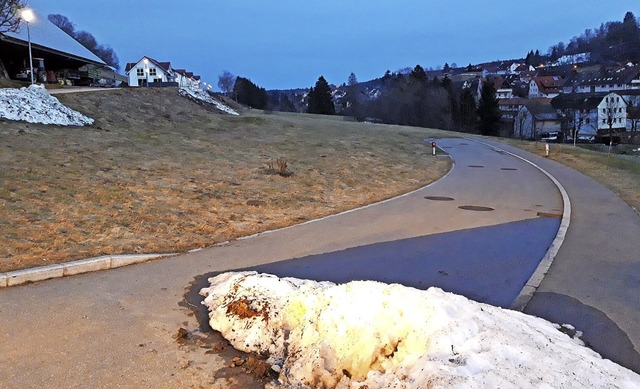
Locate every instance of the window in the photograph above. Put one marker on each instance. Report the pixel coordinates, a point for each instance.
(604, 121)
(140, 72)
(587, 120)
(152, 71)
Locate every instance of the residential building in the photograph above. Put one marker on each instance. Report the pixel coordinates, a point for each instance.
(545, 86)
(601, 115)
(147, 70)
(534, 120)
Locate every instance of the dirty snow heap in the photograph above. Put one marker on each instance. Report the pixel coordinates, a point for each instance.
(35, 105)
(204, 97)
(367, 334)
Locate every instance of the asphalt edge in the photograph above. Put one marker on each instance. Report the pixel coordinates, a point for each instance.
(19, 277)
(42, 273)
(532, 284)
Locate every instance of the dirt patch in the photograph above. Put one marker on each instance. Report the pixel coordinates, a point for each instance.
(158, 173)
(243, 309)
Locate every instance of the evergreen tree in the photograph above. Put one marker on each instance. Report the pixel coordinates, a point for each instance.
(467, 109)
(320, 99)
(248, 93)
(418, 73)
(488, 111)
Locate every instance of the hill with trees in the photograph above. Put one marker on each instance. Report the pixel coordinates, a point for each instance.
(611, 42)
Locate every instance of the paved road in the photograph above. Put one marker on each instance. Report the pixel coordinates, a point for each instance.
(594, 282)
(116, 328)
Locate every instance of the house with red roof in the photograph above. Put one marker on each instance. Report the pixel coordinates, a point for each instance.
(545, 86)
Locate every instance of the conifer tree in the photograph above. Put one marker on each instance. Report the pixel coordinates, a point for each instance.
(320, 99)
(488, 111)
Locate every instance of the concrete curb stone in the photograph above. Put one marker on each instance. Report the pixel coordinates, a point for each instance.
(42, 273)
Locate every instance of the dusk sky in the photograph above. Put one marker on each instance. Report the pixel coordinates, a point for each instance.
(284, 44)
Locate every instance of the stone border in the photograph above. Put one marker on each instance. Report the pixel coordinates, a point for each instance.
(42, 273)
(532, 284)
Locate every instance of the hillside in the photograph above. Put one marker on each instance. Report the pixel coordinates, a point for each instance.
(157, 172)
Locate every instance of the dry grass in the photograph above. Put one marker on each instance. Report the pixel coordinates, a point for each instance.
(158, 173)
(619, 173)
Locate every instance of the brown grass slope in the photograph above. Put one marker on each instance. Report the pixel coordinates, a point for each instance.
(159, 173)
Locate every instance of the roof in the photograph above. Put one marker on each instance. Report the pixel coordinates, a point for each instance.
(578, 100)
(166, 66)
(48, 37)
(543, 111)
(527, 102)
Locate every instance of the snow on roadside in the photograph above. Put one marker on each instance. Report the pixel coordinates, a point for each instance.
(203, 96)
(369, 334)
(35, 105)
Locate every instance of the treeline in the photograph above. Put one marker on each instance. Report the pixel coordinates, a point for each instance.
(247, 93)
(87, 40)
(612, 41)
(414, 99)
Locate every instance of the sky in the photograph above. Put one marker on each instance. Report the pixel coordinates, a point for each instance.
(285, 44)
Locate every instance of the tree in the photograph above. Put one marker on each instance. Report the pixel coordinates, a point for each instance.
(63, 23)
(353, 105)
(467, 109)
(320, 99)
(248, 93)
(9, 17)
(226, 82)
(488, 111)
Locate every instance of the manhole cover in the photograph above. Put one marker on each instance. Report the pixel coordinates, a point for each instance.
(508, 168)
(439, 198)
(476, 166)
(475, 208)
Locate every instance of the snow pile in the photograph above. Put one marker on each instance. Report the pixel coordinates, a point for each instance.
(202, 96)
(368, 334)
(35, 105)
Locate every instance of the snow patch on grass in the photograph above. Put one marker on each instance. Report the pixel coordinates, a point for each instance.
(369, 334)
(35, 105)
(203, 96)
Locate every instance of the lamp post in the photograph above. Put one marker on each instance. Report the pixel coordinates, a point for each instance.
(27, 15)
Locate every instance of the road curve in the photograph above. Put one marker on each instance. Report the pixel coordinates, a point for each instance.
(480, 231)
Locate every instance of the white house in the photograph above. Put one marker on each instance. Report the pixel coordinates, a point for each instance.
(592, 114)
(147, 70)
(545, 86)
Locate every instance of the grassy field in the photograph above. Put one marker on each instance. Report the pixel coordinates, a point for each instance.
(620, 173)
(158, 173)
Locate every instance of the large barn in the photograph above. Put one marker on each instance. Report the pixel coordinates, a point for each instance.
(55, 54)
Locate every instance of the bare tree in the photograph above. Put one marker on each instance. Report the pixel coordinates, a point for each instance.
(614, 114)
(226, 82)
(9, 16)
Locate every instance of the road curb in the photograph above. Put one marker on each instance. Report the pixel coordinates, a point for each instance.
(42, 273)
(532, 284)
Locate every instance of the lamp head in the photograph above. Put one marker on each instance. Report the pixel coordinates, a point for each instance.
(27, 15)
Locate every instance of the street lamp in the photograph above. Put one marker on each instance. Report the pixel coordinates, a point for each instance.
(27, 15)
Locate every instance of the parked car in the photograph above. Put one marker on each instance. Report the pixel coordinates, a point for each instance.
(551, 137)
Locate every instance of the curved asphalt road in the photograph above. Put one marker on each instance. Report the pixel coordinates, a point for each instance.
(116, 328)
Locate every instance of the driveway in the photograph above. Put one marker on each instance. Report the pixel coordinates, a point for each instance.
(480, 231)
